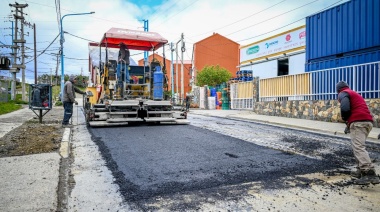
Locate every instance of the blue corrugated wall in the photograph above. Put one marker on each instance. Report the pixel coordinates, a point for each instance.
(349, 27)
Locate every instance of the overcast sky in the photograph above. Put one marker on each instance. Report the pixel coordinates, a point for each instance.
(243, 21)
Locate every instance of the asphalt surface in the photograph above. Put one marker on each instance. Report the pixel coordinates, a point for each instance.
(101, 179)
(161, 159)
(150, 162)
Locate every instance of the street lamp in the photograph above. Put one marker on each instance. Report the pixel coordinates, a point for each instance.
(62, 63)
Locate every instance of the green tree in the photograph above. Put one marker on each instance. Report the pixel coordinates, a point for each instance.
(212, 75)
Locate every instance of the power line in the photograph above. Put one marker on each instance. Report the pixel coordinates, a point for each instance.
(289, 23)
(78, 12)
(178, 12)
(272, 17)
(39, 42)
(174, 3)
(80, 37)
(240, 19)
(29, 13)
(70, 58)
(44, 50)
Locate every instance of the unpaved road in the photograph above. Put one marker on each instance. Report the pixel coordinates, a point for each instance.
(216, 164)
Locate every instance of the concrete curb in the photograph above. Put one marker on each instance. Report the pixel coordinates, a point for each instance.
(63, 189)
(64, 151)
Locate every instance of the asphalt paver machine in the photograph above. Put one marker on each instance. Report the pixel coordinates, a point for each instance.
(112, 99)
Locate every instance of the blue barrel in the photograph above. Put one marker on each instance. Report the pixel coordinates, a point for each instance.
(158, 84)
(213, 92)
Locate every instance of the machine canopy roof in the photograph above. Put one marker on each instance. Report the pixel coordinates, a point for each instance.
(135, 40)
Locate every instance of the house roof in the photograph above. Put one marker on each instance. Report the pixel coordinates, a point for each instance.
(216, 35)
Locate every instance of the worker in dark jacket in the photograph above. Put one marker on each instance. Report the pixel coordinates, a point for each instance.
(69, 99)
(355, 113)
(123, 62)
(188, 99)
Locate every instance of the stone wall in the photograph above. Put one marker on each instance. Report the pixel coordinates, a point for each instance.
(321, 110)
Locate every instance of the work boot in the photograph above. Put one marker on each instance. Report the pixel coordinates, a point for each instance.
(67, 125)
(356, 174)
(367, 178)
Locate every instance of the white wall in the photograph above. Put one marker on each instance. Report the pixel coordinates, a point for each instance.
(263, 70)
(297, 64)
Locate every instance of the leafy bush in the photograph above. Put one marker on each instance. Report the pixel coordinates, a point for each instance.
(212, 75)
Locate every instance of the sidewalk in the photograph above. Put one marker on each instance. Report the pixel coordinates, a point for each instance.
(29, 182)
(329, 128)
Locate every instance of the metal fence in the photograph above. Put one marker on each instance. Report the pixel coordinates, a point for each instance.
(363, 78)
(3, 91)
(241, 95)
(320, 85)
(290, 87)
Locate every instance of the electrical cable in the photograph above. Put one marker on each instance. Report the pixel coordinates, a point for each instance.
(239, 19)
(272, 17)
(156, 15)
(44, 50)
(289, 23)
(177, 13)
(80, 37)
(78, 12)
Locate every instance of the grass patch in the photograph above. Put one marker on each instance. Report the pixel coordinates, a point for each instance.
(56, 89)
(7, 107)
(12, 105)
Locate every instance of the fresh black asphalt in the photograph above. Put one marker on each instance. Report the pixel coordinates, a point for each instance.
(149, 161)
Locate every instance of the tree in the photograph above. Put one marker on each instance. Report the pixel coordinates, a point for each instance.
(212, 76)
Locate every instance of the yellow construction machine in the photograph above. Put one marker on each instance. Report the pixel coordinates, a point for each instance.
(130, 93)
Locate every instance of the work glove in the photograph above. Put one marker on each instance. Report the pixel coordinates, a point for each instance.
(75, 102)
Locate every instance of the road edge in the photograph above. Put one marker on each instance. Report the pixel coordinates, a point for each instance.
(64, 168)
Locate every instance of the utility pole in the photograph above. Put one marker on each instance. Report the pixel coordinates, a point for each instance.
(23, 55)
(56, 70)
(146, 29)
(19, 15)
(176, 70)
(182, 84)
(23, 61)
(192, 71)
(35, 54)
(172, 70)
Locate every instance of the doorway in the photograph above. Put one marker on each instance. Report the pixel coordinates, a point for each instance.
(283, 67)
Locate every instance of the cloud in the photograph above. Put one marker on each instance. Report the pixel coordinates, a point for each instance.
(240, 20)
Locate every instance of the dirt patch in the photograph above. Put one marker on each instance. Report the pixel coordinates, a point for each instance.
(33, 137)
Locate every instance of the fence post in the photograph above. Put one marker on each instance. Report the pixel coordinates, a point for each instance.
(354, 78)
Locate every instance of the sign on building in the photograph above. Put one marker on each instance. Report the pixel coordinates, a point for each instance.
(285, 42)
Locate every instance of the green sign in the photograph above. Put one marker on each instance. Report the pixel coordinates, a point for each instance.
(253, 50)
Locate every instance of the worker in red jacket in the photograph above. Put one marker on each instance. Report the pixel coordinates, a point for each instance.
(355, 113)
